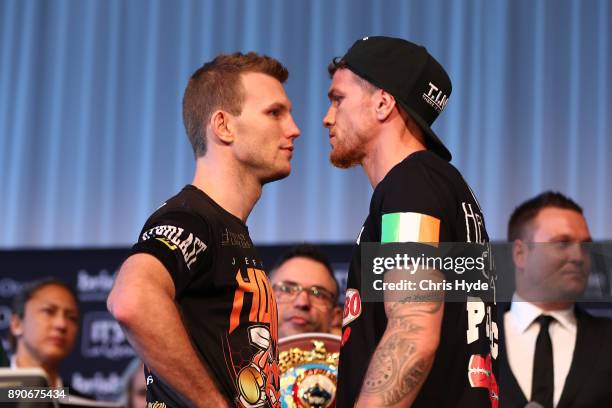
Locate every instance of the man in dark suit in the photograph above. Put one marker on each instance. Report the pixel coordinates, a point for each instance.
(552, 353)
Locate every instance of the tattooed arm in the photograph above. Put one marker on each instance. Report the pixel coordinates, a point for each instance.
(405, 353)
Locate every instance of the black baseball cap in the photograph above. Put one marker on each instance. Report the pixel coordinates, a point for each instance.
(408, 72)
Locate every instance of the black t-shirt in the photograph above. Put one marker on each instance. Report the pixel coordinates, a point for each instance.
(223, 295)
(424, 191)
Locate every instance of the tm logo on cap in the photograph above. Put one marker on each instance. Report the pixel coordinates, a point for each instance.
(435, 98)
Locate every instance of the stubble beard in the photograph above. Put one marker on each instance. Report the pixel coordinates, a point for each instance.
(347, 154)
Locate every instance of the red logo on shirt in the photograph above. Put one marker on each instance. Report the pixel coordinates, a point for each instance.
(352, 306)
(480, 374)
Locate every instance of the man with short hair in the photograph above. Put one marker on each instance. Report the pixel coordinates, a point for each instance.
(557, 355)
(193, 297)
(418, 351)
(306, 292)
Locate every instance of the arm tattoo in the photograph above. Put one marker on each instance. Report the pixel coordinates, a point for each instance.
(396, 369)
(416, 307)
(411, 379)
(393, 372)
(386, 362)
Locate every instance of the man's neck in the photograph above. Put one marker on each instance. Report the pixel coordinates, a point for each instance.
(387, 150)
(235, 191)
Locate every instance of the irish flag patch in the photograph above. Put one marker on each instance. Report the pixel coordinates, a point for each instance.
(410, 227)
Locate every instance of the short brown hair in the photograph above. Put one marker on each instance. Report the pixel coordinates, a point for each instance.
(338, 63)
(216, 85)
(527, 211)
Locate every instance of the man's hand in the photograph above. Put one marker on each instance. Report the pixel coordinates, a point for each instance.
(142, 301)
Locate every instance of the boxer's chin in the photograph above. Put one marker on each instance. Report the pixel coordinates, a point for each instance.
(344, 158)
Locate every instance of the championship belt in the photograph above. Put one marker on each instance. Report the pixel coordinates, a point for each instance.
(308, 365)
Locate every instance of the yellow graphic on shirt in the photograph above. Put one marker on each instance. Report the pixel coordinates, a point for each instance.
(257, 382)
(167, 243)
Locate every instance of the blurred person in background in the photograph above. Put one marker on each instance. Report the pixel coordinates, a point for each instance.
(556, 354)
(44, 327)
(134, 385)
(306, 292)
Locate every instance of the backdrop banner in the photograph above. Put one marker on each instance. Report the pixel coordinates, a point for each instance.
(102, 351)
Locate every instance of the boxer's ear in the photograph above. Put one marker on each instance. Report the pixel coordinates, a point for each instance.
(384, 104)
(222, 127)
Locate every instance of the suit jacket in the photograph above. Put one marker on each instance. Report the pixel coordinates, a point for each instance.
(589, 381)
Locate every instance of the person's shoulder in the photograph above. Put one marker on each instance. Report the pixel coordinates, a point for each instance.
(593, 317)
(189, 203)
(189, 199)
(422, 168)
(410, 188)
(602, 323)
(183, 217)
(422, 176)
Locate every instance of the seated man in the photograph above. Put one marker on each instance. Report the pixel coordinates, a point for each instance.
(306, 292)
(557, 354)
(44, 326)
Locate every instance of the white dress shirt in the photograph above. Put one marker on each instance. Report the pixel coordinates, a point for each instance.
(521, 332)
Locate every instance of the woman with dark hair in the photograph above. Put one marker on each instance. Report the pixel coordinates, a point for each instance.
(44, 326)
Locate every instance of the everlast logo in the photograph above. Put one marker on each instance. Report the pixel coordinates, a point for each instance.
(435, 98)
(177, 238)
(156, 404)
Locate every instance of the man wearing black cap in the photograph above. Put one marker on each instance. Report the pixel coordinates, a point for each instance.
(385, 94)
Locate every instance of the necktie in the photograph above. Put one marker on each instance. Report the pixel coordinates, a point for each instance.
(542, 383)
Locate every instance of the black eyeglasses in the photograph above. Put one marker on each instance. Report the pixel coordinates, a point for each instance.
(288, 291)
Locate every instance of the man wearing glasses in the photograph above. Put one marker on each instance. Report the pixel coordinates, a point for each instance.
(306, 292)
